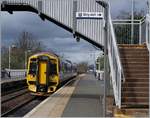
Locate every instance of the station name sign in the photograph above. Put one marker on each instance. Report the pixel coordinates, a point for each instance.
(89, 15)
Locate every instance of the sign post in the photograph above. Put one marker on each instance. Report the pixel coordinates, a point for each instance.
(106, 17)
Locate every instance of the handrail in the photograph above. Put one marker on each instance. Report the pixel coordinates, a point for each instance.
(148, 31)
(123, 25)
(128, 20)
(115, 64)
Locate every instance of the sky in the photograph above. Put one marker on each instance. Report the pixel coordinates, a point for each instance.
(118, 6)
(54, 37)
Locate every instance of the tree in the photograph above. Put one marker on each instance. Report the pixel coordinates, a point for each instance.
(82, 67)
(4, 57)
(24, 43)
(127, 15)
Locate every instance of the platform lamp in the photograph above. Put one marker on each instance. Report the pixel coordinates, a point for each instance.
(9, 60)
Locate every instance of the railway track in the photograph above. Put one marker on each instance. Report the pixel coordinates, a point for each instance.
(18, 103)
(17, 106)
(4, 93)
(10, 101)
(14, 95)
(10, 111)
(14, 102)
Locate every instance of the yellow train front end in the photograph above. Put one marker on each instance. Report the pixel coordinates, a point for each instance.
(43, 74)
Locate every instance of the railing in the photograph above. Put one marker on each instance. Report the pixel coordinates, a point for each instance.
(115, 64)
(123, 28)
(148, 31)
(13, 73)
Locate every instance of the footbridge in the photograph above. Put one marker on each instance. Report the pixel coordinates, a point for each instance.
(63, 13)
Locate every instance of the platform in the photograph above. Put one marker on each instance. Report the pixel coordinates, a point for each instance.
(82, 97)
(8, 80)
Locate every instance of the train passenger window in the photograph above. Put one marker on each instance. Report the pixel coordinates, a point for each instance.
(33, 68)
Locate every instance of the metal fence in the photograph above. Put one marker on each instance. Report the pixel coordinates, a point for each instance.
(13, 73)
(123, 31)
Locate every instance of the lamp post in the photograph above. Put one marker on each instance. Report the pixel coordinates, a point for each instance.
(12, 46)
(26, 58)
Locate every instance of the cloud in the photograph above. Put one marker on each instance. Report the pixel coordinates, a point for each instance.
(52, 36)
(26, 21)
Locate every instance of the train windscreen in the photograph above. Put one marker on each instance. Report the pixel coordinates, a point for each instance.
(53, 69)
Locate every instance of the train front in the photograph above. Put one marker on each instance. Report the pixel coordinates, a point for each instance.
(43, 74)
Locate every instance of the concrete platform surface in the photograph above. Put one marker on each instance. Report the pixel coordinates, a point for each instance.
(82, 97)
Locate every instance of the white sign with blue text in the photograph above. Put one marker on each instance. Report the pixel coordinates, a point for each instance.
(89, 15)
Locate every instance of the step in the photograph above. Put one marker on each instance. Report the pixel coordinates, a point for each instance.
(135, 71)
(133, 54)
(138, 58)
(135, 62)
(138, 66)
(139, 89)
(136, 75)
(133, 49)
(137, 84)
(139, 104)
(135, 59)
(135, 94)
(136, 100)
(137, 80)
(136, 46)
(145, 63)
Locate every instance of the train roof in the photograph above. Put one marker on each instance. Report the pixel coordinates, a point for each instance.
(48, 53)
(52, 54)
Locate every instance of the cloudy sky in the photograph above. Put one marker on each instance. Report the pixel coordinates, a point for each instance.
(54, 37)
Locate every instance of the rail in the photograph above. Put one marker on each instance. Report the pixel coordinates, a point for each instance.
(148, 31)
(115, 64)
(122, 30)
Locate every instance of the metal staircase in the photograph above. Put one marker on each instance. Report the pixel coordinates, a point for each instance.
(135, 89)
(129, 66)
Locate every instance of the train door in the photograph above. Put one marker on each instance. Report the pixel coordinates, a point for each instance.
(42, 72)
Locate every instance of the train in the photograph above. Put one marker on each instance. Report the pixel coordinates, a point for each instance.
(46, 71)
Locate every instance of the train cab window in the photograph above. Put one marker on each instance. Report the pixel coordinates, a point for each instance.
(53, 69)
(32, 68)
(97, 67)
